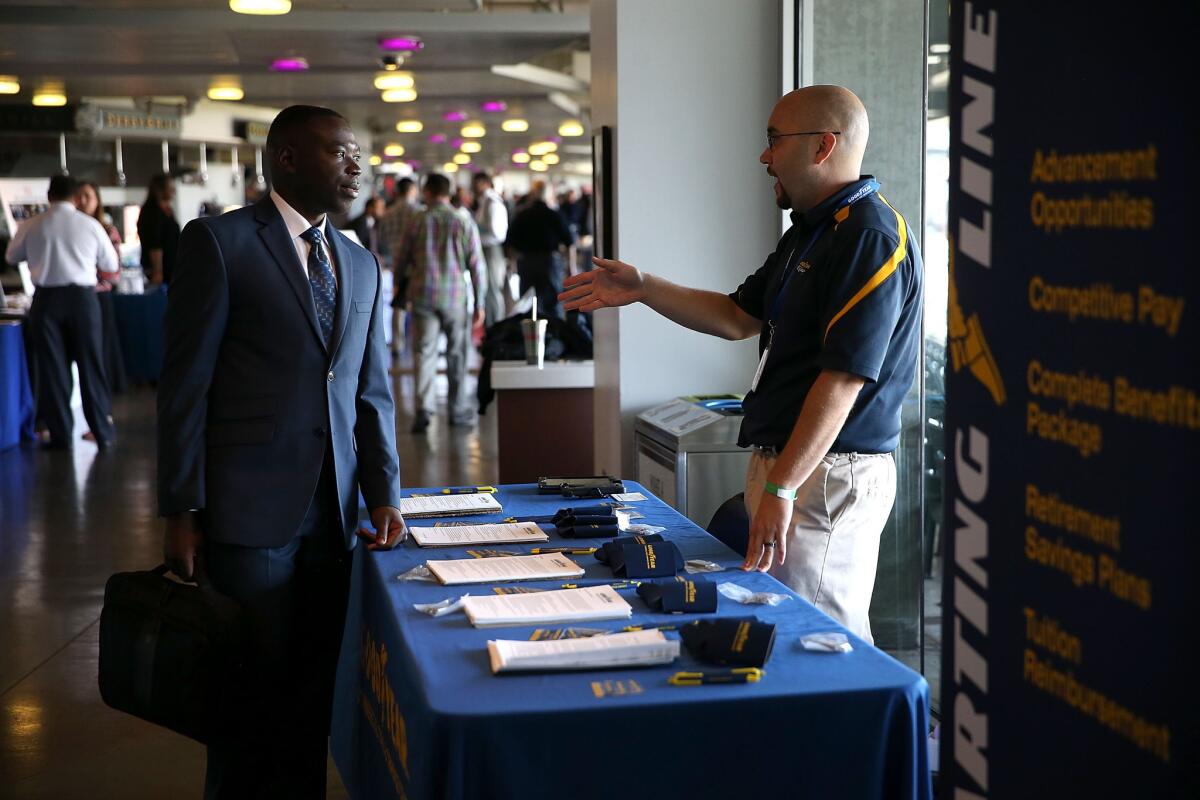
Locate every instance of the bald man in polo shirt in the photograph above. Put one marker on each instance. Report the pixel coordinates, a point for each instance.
(837, 308)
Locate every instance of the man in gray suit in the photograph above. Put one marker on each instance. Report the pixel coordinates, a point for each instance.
(274, 410)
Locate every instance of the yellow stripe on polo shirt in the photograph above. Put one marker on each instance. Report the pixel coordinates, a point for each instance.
(881, 275)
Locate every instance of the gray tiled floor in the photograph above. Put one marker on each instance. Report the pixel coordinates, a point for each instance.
(68, 521)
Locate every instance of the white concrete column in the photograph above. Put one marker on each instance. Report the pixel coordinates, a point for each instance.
(687, 86)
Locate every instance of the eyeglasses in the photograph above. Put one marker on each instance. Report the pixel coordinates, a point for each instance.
(772, 138)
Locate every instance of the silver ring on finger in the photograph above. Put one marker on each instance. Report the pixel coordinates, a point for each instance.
(769, 545)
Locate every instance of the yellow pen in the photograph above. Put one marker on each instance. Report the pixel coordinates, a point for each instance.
(736, 675)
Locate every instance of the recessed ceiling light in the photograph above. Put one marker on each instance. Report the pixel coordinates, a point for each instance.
(470, 147)
(550, 158)
(401, 43)
(538, 166)
(394, 80)
(292, 64)
(461, 158)
(262, 7)
(399, 95)
(50, 96)
(9, 84)
(473, 130)
(375, 161)
(409, 126)
(393, 150)
(449, 166)
(570, 127)
(541, 148)
(225, 91)
(521, 158)
(437, 138)
(454, 116)
(493, 106)
(514, 125)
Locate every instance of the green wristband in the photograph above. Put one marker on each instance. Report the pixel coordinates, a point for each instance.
(779, 491)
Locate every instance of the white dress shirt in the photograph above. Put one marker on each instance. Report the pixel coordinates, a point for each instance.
(492, 218)
(297, 225)
(63, 246)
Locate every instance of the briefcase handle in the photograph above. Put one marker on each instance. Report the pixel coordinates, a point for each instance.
(199, 573)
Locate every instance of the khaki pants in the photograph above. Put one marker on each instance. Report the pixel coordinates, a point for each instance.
(429, 324)
(833, 542)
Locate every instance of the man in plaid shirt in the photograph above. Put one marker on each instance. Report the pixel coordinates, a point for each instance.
(441, 251)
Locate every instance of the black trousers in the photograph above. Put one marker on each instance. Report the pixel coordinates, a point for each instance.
(294, 598)
(65, 326)
(543, 272)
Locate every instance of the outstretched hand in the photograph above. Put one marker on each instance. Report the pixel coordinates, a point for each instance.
(612, 283)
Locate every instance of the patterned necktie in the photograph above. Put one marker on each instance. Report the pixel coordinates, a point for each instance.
(320, 279)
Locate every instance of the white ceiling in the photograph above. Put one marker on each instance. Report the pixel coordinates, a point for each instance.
(143, 48)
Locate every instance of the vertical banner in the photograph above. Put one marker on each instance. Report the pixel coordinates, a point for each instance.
(1073, 403)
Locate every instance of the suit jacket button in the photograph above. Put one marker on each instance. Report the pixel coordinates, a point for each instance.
(329, 377)
(319, 432)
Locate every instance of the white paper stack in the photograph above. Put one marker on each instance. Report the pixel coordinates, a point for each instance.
(450, 505)
(462, 535)
(588, 604)
(504, 568)
(633, 649)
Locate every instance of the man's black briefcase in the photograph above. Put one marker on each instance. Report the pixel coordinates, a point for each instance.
(170, 652)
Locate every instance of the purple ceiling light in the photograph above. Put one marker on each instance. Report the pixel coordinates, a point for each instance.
(493, 106)
(454, 116)
(291, 64)
(555, 139)
(404, 43)
(456, 143)
(437, 138)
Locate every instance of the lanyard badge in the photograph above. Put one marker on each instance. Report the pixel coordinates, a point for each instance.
(866, 190)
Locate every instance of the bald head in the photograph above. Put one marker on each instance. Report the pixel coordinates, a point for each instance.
(820, 134)
(830, 108)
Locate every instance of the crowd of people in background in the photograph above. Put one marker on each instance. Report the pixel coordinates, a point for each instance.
(452, 254)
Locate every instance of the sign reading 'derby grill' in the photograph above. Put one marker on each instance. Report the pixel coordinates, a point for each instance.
(164, 122)
(1073, 405)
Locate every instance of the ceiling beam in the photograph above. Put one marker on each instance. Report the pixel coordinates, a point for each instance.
(378, 22)
(63, 69)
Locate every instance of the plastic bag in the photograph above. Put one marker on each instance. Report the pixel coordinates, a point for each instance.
(442, 607)
(696, 565)
(743, 595)
(418, 573)
(826, 642)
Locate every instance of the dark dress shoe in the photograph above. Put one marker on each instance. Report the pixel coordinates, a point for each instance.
(420, 423)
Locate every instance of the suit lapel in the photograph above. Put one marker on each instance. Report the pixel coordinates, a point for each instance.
(345, 276)
(275, 236)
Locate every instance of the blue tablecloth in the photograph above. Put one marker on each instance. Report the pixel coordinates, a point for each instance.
(16, 398)
(140, 327)
(418, 713)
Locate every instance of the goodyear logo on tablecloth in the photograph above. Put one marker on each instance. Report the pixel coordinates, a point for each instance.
(381, 709)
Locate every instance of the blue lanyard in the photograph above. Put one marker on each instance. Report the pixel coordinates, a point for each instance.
(869, 188)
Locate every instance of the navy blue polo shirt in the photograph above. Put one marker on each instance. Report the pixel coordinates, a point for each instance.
(853, 304)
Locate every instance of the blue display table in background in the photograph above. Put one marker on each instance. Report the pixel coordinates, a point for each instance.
(16, 397)
(139, 320)
(418, 713)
